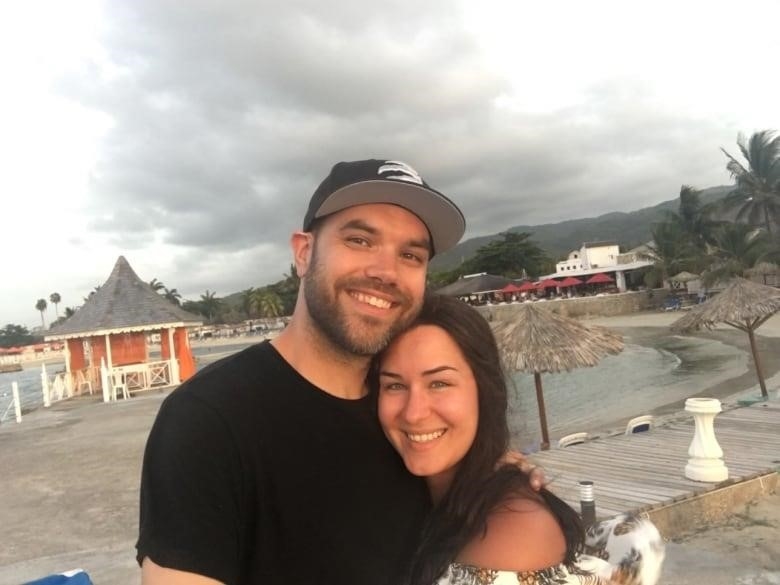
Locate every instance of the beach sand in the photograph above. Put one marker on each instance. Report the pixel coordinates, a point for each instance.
(69, 486)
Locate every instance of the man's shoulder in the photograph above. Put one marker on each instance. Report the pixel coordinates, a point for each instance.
(247, 374)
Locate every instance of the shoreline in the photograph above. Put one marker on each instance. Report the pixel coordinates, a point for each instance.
(739, 385)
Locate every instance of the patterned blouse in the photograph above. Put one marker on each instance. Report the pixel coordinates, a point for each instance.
(620, 551)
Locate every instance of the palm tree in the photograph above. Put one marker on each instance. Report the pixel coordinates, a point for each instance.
(69, 312)
(41, 305)
(694, 218)
(736, 248)
(268, 303)
(248, 301)
(671, 252)
(156, 285)
(173, 296)
(209, 304)
(55, 298)
(756, 195)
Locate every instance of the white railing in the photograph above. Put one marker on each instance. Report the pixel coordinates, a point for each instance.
(125, 380)
(120, 380)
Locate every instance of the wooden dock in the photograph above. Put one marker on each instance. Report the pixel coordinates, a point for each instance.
(644, 471)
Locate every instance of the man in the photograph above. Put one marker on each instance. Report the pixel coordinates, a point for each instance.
(269, 466)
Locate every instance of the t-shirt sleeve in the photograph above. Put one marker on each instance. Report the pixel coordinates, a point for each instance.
(191, 486)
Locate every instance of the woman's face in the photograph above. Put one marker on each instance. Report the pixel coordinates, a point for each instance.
(428, 404)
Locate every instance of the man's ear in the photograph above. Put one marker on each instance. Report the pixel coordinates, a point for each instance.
(302, 244)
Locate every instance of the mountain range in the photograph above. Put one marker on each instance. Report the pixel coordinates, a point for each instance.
(558, 239)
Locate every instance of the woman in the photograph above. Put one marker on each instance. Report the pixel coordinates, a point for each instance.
(442, 402)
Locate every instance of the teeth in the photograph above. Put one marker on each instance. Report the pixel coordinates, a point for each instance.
(425, 437)
(373, 301)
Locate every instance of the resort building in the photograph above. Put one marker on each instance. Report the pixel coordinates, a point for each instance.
(602, 257)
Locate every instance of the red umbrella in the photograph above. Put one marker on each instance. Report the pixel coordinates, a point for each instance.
(570, 281)
(528, 287)
(549, 283)
(600, 278)
(510, 288)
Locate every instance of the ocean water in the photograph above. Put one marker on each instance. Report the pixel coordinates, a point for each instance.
(653, 370)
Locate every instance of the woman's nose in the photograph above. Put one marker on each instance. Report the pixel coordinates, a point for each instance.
(418, 406)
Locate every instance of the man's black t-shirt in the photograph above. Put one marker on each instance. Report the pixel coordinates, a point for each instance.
(253, 475)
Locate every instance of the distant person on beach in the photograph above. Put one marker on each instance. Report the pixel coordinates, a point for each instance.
(442, 402)
(270, 466)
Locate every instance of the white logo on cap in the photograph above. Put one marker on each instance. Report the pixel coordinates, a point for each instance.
(401, 172)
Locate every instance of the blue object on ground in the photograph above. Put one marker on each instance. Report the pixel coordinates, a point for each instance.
(77, 577)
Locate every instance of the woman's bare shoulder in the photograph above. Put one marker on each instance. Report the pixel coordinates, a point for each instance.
(522, 535)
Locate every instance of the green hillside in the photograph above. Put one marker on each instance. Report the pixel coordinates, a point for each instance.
(558, 239)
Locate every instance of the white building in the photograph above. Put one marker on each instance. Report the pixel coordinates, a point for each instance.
(590, 255)
(595, 257)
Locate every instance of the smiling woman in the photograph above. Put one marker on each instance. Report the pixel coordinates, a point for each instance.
(442, 403)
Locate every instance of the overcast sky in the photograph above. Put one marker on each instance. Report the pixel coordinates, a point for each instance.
(188, 135)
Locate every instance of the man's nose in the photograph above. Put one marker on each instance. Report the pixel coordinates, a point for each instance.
(383, 266)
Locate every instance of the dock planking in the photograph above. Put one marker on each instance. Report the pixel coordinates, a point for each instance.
(639, 472)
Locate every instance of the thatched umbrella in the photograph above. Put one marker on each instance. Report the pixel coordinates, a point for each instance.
(538, 340)
(764, 269)
(684, 277)
(743, 304)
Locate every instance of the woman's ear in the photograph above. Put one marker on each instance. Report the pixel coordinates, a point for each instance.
(302, 244)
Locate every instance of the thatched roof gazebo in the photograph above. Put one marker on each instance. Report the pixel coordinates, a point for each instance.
(112, 327)
(743, 304)
(538, 340)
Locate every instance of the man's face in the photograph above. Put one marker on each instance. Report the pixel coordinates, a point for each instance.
(365, 279)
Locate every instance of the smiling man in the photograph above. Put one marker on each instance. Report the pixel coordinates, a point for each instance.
(270, 466)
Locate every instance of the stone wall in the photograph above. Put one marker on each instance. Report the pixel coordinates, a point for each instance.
(582, 308)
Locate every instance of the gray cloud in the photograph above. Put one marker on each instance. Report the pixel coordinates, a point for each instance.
(227, 116)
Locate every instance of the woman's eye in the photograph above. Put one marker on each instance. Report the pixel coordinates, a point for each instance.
(393, 386)
(438, 384)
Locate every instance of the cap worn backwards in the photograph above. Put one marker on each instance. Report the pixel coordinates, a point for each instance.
(388, 181)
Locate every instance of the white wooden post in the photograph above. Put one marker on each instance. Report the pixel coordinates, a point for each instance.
(17, 402)
(109, 360)
(706, 462)
(45, 386)
(104, 380)
(175, 377)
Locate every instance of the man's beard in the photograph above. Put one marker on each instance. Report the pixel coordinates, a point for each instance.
(359, 337)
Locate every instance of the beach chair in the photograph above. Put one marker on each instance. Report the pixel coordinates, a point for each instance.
(573, 439)
(82, 382)
(672, 304)
(118, 383)
(639, 424)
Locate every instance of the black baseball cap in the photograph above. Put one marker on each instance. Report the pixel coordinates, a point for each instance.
(388, 181)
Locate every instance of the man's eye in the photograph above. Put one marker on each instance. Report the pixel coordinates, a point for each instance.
(418, 258)
(358, 240)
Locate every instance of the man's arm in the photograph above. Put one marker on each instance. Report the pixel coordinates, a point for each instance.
(154, 574)
(190, 517)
